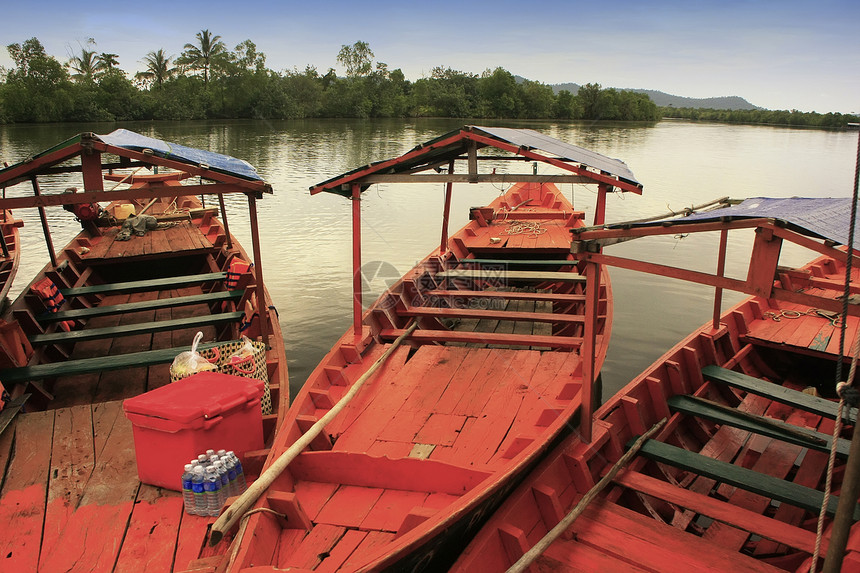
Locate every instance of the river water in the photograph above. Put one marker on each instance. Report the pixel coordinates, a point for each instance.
(306, 240)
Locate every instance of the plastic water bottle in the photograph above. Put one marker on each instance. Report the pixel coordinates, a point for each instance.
(225, 481)
(203, 459)
(233, 488)
(210, 453)
(197, 488)
(240, 473)
(187, 488)
(212, 489)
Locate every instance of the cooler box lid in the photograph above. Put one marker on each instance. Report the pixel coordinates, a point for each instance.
(202, 395)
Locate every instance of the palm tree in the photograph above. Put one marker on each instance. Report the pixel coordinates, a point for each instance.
(158, 68)
(108, 61)
(86, 65)
(208, 51)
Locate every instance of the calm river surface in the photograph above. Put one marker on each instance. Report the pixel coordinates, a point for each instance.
(306, 240)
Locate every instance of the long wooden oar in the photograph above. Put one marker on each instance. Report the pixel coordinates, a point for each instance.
(523, 563)
(233, 513)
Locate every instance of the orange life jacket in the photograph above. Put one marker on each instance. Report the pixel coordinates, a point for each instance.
(4, 397)
(238, 267)
(52, 298)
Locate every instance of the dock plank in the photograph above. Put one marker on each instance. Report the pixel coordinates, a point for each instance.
(151, 537)
(72, 462)
(93, 536)
(24, 492)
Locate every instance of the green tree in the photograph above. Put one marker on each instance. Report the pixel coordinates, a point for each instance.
(357, 59)
(158, 68)
(500, 94)
(108, 62)
(592, 101)
(208, 54)
(86, 64)
(38, 88)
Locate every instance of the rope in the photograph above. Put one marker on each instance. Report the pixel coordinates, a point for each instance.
(833, 317)
(845, 389)
(531, 228)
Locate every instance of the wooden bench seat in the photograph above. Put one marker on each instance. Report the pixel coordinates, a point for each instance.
(779, 430)
(155, 304)
(743, 478)
(97, 364)
(132, 329)
(776, 392)
(518, 262)
(503, 295)
(511, 339)
(491, 314)
(145, 285)
(510, 276)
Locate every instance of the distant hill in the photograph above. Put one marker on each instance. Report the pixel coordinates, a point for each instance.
(663, 99)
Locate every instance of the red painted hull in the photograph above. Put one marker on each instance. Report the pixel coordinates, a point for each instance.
(671, 516)
(435, 438)
(10, 257)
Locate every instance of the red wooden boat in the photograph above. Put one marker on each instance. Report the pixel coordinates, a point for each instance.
(10, 251)
(479, 369)
(733, 481)
(69, 480)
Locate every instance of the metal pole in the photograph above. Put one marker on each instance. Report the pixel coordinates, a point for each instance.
(356, 260)
(262, 306)
(45, 228)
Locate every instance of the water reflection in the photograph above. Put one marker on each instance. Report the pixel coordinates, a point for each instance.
(306, 240)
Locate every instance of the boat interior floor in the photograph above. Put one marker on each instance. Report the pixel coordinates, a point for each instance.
(70, 487)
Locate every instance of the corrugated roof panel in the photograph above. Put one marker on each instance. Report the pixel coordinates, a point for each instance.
(536, 140)
(826, 218)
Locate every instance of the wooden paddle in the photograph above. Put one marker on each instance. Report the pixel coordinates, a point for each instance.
(523, 563)
(235, 512)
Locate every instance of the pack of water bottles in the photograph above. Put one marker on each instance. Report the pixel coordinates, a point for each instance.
(209, 479)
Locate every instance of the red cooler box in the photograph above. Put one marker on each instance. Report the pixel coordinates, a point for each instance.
(175, 423)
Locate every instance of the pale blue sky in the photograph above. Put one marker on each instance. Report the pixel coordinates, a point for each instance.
(777, 54)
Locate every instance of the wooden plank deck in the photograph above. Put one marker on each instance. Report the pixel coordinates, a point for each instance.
(71, 490)
(183, 237)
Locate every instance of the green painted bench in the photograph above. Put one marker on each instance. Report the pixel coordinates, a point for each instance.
(737, 476)
(132, 329)
(701, 408)
(145, 285)
(507, 276)
(520, 262)
(160, 303)
(97, 364)
(776, 392)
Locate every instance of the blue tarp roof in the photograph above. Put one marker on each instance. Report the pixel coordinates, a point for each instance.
(223, 163)
(826, 218)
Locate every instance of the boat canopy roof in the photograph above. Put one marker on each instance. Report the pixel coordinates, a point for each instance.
(824, 218)
(131, 146)
(463, 143)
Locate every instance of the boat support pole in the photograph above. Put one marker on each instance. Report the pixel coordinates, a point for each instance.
(262, 308)
(721, 271)
(45, 228)
(589, 347)
(224, 220)
(523, 563)
(446, 212)
(233, 513)
(356, 261)
(600, 208)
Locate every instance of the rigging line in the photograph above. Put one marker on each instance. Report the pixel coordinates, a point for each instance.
(848, 263)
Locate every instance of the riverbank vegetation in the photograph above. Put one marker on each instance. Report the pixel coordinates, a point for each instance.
(209, 81)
